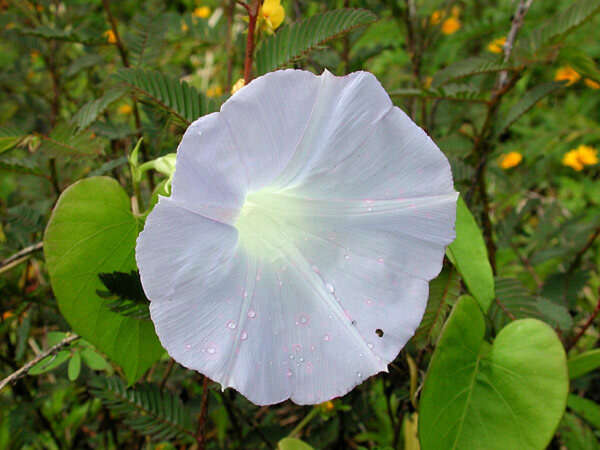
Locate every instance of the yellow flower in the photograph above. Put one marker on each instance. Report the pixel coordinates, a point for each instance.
(110, 36)
(587, 155)
(455, 11)
(427, 82)
(214, 91)
(328, 406)
(201, 12)
(184, 26)
(496, 45)
(9, 26)
(436, 17)
(271, 14)
(125, 109)
(237, 86)
(510, 160)
(584, 155)
(34, 54)
(567, 73)
(451, 25)
(591, 84)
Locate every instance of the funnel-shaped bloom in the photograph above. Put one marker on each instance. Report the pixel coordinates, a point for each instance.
(292, 259)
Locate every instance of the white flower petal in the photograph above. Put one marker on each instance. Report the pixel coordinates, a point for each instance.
(293, 258)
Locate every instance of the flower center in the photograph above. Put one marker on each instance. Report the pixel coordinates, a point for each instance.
(269, 224)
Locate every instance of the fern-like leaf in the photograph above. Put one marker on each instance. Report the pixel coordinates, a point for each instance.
(92, 109)
(145, 40)
(561, 24)
(527, 101)
(295, 40)
(443, 291)
(125, 294)
(471, 66)
(10, 138)
(146, 409)
(175, 96)
(65, 140)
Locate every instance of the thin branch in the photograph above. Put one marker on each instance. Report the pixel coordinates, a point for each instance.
(527, 264)
(20, 256)
(253, 17)
(200, 432)
(168, 371)
(584, 249)
(586, 325)
(27, 367)
(517, 23)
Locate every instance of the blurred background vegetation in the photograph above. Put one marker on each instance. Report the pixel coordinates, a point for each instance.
(521, 134)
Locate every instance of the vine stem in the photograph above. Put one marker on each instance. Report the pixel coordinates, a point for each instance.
(296, 431)
(586, 325)
(27, 367)
(253, 17)
(200, 438)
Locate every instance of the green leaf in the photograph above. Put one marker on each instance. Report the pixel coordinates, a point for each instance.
(146, 409)
(561, 24)
(94, 360)
(525, 103)
(588, 410)
(91, 110)
(10, 138)
(65, 140)
(507, 395)
(469, 255)
(22, 166)
(175, 96)
(125, 293)
(49, 363)
(443, 291)
(576, 435)
(584, 363)
(293, 444)
(146, 36)
(74, 367)
(93, 231)
(294, 41)
(467, 67)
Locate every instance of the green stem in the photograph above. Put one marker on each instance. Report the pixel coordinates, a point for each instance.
(296, 431)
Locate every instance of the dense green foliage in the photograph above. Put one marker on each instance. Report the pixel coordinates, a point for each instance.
(95, 98)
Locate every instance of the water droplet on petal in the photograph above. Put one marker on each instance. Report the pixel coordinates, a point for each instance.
(302, 320)
(211, 350)
(301, 360)
(292, 357)
(289, 373)
(243, 336)
(380, 260)
(370, 345)
(359, 375)
(188, 346)
(346, 257)
(251, 314)
(231, 325)
(315, 269)
(330, 288)
(326, 338)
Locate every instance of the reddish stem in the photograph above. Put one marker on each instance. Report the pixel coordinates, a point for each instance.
(586, 325)
(253, 17)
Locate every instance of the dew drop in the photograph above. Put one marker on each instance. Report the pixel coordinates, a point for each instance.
(291, 357)
(330, 288)
(243, 336)
(289, 373)
(380, 260)
(251, 314)
(315, 269)
(359, 375)
(301, 360)
(245, 294)
(302, 320)
(211, 350)
(231, 325)
(346, 257)
(188, 346)
(326, 338)
(257, 277)
(370, 345)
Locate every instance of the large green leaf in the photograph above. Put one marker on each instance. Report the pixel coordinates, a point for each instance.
(588, 410)
(295, 40)
(293, 444)
(469, 254)
(93, 231)
(507, 395)
(467, 67)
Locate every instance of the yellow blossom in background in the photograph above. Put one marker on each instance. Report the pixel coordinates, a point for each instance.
(39, 8)
(496, 45)
(201, 12)
(427, 82)
(455, 11)
(587, 155)
(184, 26)
(591, 84)
(328, 406)
(567, 73)
(125, 109)
(237, 86)
(110, 36)
(510, 160)
(271, 15)
(451, 25)
(7, 315)
(34, 54)
(582, 156)
(9, 26)
(436, 17)
(214, 91)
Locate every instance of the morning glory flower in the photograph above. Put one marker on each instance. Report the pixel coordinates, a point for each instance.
(293, 256)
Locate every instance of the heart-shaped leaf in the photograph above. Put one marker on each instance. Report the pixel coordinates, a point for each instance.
(469, 255)
(93, 231)
(511, 394)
